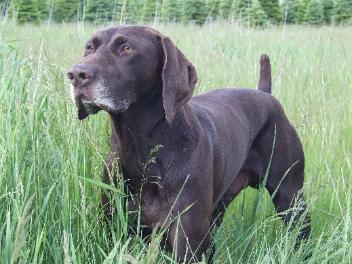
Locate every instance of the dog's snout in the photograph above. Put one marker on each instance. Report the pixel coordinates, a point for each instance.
(81, 74)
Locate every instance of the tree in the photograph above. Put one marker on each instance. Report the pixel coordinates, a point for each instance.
(214, 8)
(272, 10)
(195, 10)
(149, 10)
(314, 13)
(99, 10)
(171, 11)
(257, 16)
(4, 7)
(65, 11)
(43, 9)
(226, 8)
(328, 7)
(241, 9)
(127, 11)
(302, 8)
(290, 11)
(342, 12)
(27, 11)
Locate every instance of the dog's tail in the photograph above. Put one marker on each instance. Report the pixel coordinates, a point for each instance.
(265, 74)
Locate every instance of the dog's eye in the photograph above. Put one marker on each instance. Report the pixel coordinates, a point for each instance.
(90, 48)
(125, 49)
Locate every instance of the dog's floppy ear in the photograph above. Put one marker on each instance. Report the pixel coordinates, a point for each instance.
(179, 78)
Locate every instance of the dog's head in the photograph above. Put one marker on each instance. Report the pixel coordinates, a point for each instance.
(123, 65)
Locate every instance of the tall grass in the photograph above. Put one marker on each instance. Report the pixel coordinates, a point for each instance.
(51, 164)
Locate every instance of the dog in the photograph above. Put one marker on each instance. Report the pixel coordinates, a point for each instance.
(185, 157)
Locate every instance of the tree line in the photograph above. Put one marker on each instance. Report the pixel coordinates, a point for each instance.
(250, 12)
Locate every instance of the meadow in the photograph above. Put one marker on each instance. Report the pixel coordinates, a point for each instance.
(51, 163)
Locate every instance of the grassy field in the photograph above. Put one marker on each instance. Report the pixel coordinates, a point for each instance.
(50, 163)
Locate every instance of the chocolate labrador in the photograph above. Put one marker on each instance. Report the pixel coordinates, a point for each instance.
(184, 157)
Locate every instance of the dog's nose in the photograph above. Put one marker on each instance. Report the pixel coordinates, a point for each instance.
(81, 74)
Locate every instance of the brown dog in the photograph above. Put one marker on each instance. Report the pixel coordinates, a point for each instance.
(206, 149)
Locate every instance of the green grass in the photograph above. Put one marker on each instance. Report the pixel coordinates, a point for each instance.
(51, 164)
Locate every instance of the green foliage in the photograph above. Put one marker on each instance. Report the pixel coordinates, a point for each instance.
(272, 10)
(328, 7)
(171, 11)
(302, 8)
(4, 7)
(195, 11)
(65, 10)
(43, 9)
(149, 10)
(132, 10)
(257, 16)
(127, 11)
(342, 11)
(100, 11)
(213, 6)
(27, 11)
(226, 8)
(241, 8)
(198, 11)
(314, 13)
(290, 11)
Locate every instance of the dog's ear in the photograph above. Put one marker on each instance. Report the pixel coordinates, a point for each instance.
(179, 78)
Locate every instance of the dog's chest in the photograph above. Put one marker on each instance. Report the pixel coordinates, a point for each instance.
(151, 205)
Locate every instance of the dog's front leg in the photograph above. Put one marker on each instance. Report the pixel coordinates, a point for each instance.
(189, 234)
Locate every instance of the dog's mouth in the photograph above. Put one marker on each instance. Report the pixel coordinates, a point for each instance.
(86, 108)
(92, 98)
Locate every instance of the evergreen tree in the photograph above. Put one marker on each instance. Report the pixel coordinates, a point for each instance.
(290, 11)
(314, 13)
(4, 7)
(127, 11)
(27, 11)
(149, 10)
(195, 10)
(342, 11)
(257, 15)
(328, 7)
(302, 8)
(99, 10)
(171, 11)
(241, 9)
(120, 11)
(65, 10)
(213, 6)
(272, 10)
(134, 10)
(43, 9)
(226, 8)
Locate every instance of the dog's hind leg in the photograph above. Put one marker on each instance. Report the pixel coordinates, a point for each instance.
(277, 154)
(286, 177)
(289, 201)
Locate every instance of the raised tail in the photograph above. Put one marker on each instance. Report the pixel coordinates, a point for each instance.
(265, 74)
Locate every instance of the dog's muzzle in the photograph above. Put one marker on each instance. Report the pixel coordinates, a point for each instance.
(85, 107)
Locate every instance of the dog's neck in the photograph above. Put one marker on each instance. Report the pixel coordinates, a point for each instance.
(136, 134)
(140, 118)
